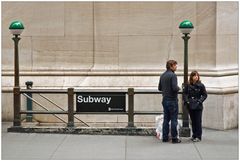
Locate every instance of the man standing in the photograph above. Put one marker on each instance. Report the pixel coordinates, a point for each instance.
(169, 87)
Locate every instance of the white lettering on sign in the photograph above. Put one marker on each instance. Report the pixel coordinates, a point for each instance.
(90, 99)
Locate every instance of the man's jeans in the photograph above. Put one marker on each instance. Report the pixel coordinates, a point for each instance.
(170, 107)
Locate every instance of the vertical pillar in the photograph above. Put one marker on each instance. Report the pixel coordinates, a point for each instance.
(130, 107)
(29, 101)
(16, 105)
(70, 107)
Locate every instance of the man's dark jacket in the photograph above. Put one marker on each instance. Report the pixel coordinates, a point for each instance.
(168, 84)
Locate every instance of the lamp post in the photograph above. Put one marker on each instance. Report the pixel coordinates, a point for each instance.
(16, 28)
(185, 27)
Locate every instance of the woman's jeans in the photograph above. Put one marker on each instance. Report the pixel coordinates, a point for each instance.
(170, 106)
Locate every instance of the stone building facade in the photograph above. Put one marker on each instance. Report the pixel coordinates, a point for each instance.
(117, 45)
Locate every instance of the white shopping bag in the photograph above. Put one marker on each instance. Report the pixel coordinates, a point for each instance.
(159, 125)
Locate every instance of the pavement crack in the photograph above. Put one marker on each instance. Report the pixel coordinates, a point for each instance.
(125, 147)
(198, 151)
(58, 147)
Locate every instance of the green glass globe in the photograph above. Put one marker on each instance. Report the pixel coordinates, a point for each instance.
(16, 27)
(186, 27)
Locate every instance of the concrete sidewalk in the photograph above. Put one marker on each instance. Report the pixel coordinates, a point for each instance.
(25, 146)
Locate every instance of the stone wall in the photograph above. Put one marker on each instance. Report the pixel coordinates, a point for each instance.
(118, 45)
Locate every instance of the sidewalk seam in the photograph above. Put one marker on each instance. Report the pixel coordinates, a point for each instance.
(125, 147)
(198, 151)
(58, 147)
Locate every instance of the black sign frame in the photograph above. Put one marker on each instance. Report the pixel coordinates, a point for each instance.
(100, 102)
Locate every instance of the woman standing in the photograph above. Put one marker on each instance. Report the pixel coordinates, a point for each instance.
(194, 95)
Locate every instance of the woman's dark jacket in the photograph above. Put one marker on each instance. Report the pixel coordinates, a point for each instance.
(194, 95)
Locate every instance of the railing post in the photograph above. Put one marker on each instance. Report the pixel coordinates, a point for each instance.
(130, 107)
(16, 105)
(29, 101)
(70, 107)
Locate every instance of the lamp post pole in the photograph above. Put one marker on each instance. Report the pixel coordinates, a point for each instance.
(185, 82)
(16, 89)
(16, 28)
(186, 38)
(186, 27)
(16, 61)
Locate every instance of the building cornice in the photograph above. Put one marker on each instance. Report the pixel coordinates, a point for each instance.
(113, 72)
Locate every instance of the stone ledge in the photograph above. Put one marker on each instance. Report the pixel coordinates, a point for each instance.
(210, 90)
(85, 131)
(118, 72)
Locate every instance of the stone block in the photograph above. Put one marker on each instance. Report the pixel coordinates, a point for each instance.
(145, 18)
(62, 52)
(147, 102)
(213, 113)
(205, 55)
(106, 18)
(143, 52)
(24, 53)
(133, 18)
(227, 51)
(230, 111)
(227, 19)
(78, 18)
(106, 52)
(206, 18)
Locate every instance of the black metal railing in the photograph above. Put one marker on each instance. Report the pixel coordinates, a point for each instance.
(70, 107)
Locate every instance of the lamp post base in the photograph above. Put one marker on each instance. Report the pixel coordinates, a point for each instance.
(184, 132)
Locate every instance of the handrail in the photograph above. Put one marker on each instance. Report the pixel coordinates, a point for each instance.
(101, 90)
(136, 91)
(43, 112)
(102, 113)
(43, 91)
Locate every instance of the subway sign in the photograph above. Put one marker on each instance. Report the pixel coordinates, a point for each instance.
(101, 102)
